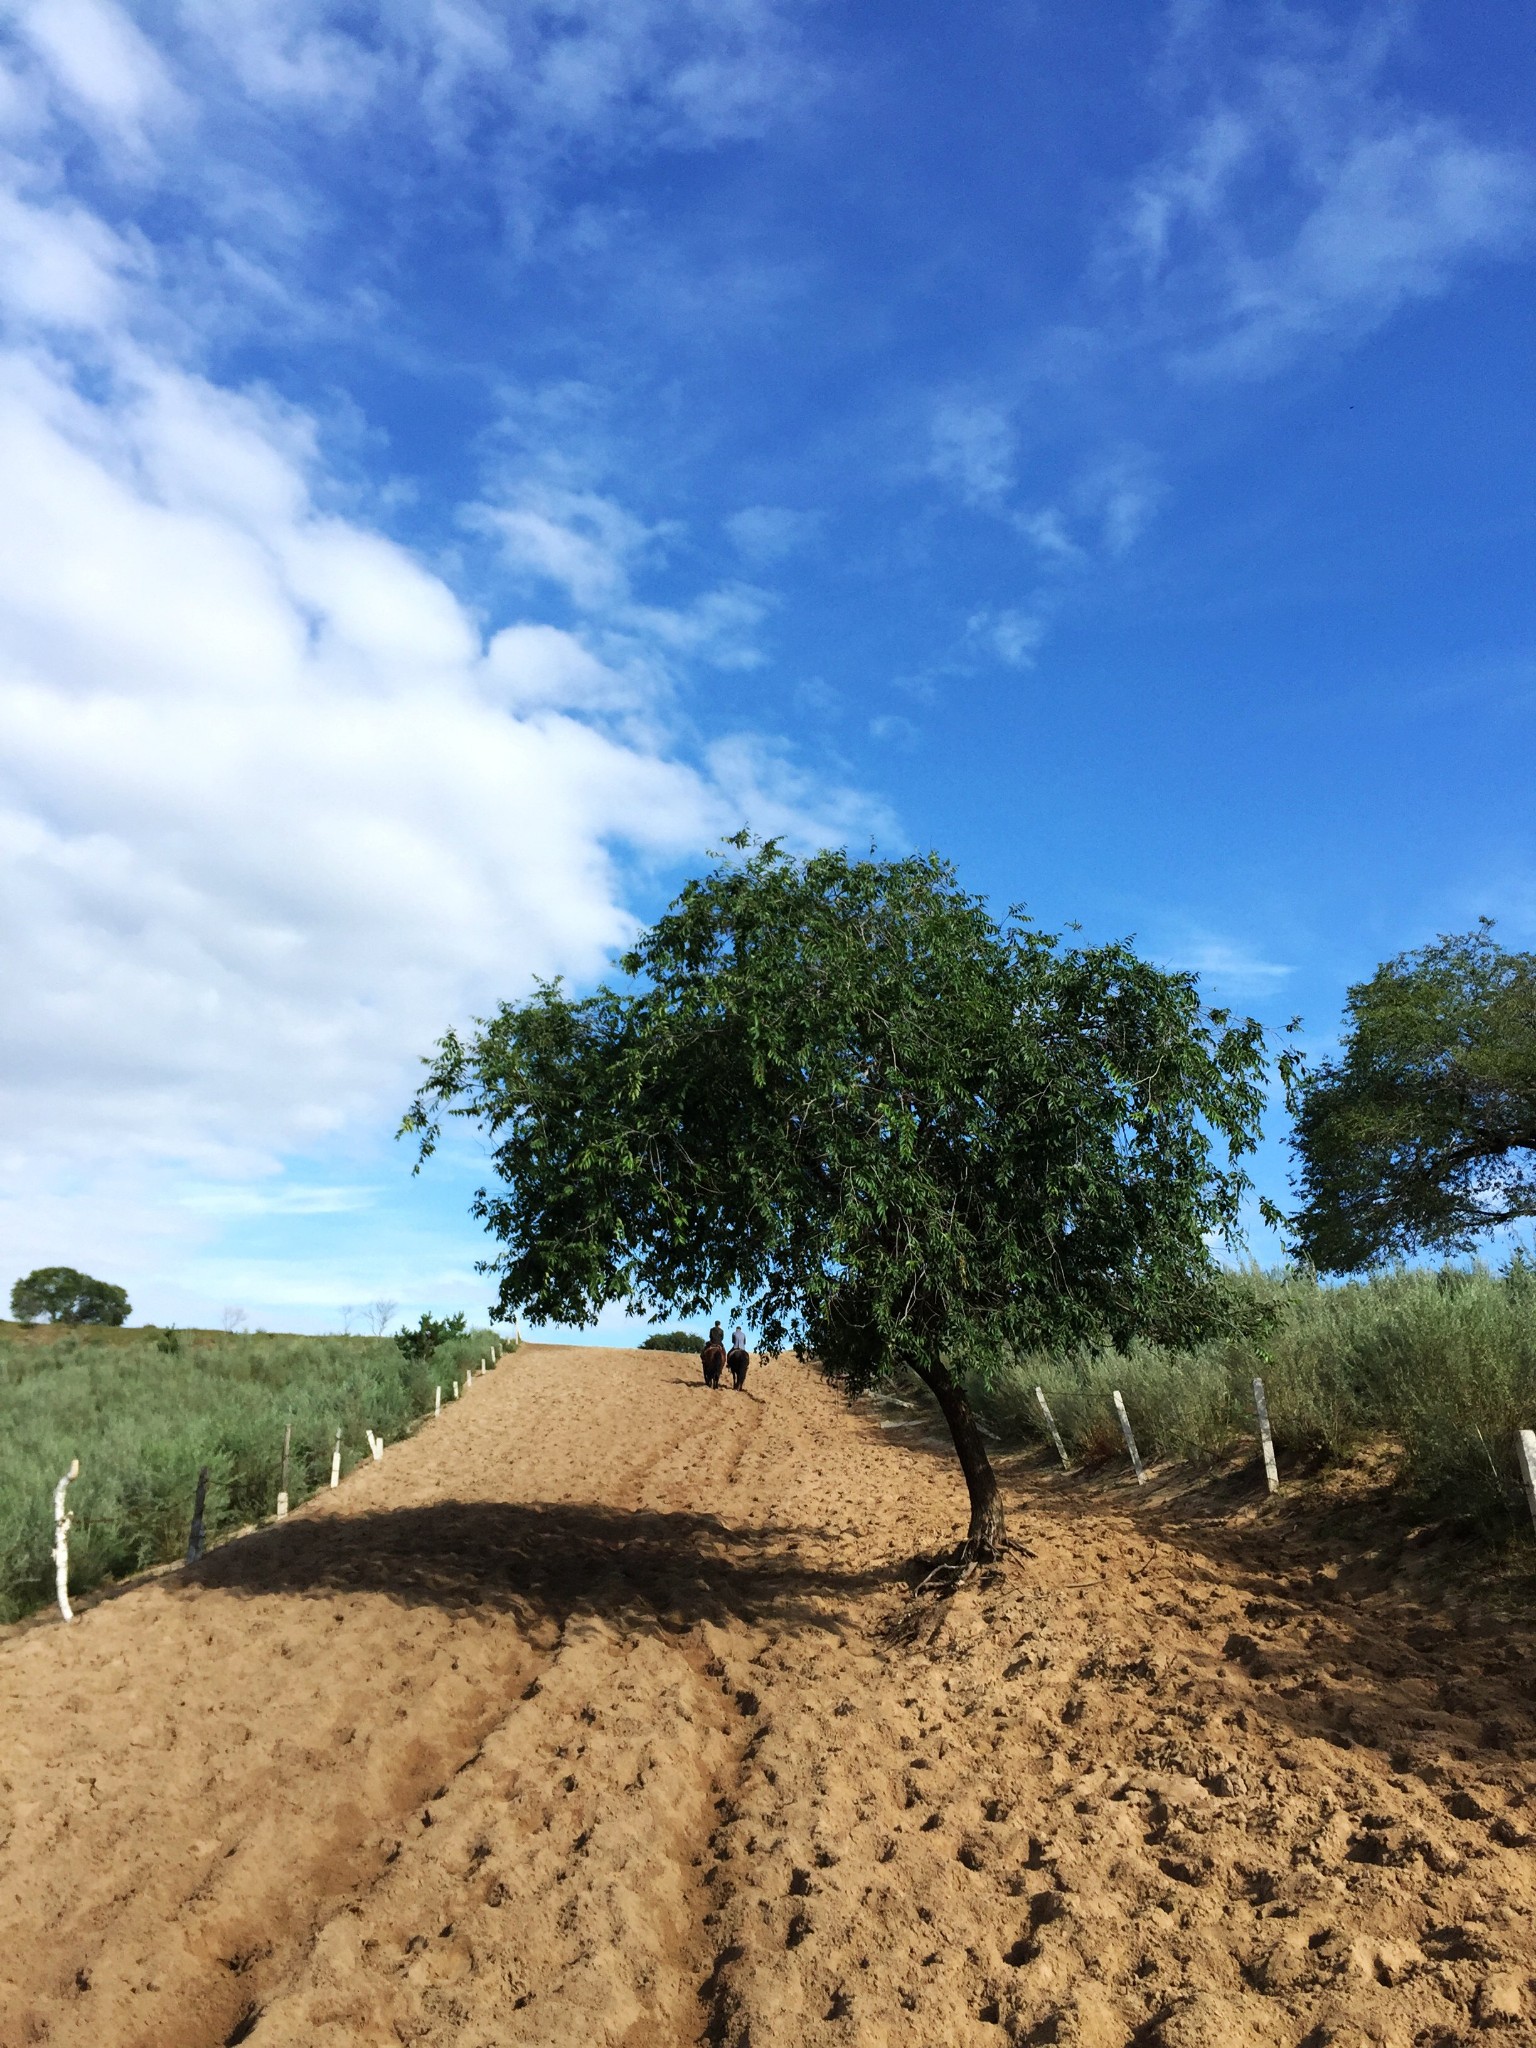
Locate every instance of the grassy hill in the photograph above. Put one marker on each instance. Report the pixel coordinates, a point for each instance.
(1439, 1367)
(143, 1409)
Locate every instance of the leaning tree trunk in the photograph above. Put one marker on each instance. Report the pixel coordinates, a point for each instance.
(984, 1538)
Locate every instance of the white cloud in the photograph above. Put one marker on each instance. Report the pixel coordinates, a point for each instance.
(255, 772)
(269, 816)
(1014, 637)
(894, 730)
(59, 265)
(590, 548)
(766, 788)
(1305, 203)
(764, 534)
(272, 812)
(515, 82)
(213, 1200)
(579, 540)
(1228, 969)
(111, 72)
(973, 447)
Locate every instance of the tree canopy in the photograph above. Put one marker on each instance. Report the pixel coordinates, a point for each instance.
(896, 1133)
(1421, 1134)
(65, 1296)
(430, 1332)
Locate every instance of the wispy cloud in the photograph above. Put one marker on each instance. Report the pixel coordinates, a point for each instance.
(1305, 203)
(109, 72)
(283, 1200)
(1299, 202)
(974, 443)
(1228, 968)
(765, 534)
(1012, 637)
(593, 550)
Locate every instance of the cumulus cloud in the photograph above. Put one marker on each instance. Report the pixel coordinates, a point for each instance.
(277, 802)
(266, 810)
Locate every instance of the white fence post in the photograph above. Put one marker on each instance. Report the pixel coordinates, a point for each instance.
(437, 1402)
(282, 1491)
(1271, 1470)
(1130, 1441)
(62, 1524)
(1050, 1423)
(1525, 1458)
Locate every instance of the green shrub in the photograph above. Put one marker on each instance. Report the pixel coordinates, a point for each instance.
(672, 1340)
(430, 1334)
(142, 1419)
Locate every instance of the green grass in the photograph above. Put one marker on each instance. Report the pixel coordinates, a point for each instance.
(1442, 1365)
(142, 1420)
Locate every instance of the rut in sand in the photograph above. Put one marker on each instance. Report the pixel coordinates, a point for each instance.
(600, 1713)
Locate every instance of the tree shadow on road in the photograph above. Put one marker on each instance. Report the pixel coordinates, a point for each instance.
(547, 1561)
(1359, 1624)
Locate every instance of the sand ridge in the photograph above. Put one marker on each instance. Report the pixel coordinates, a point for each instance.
(601, 1712)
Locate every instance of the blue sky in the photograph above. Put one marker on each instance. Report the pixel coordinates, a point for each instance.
(462, 460)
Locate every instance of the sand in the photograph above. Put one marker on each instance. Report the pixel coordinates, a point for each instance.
(601, 1713)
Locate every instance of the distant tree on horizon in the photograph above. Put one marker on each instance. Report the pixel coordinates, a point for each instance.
(897, 1133)
(1421, 1135)
(62, 1295)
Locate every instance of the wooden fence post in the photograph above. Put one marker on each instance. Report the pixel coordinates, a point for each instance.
(199, 1503)
(336, 1461)
(1130, 1441)
(1271, 1470)
(437, 1402)
(282, 1490)
(1050, 1423)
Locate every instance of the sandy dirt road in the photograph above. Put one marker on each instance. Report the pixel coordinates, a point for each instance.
(601, 1714)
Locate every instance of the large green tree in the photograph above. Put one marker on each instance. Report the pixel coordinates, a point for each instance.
(838, 1093)
(1422, 1133)
(65, 1296)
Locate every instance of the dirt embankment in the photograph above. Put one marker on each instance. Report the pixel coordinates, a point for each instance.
(600, 1714)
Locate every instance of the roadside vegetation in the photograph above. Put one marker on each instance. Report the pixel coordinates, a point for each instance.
(142, 1409)
(1440, 1366)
